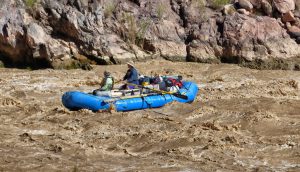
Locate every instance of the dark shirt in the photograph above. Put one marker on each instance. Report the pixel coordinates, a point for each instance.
(131, 76)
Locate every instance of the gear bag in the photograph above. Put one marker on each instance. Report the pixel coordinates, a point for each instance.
(173, 82)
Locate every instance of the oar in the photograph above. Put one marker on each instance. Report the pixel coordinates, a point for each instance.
(117, 82)
(127, 97)
(162, 91)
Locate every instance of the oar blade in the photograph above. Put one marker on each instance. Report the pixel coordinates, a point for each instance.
(180, 96)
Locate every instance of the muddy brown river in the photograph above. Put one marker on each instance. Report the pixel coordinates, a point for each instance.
(241, 120)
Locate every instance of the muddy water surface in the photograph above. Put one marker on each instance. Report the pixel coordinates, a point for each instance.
(242, 120)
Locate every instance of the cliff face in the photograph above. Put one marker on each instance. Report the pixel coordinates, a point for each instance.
(70, 33)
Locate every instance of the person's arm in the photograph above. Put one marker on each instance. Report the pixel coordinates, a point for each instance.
(102, 82)
(126, 75)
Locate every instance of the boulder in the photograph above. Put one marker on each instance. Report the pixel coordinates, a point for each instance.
(170, 50)
(297, 8)
(243, 11)
(163, 34)
(294, 31)
(82, 26)
(256, 3)
(26, 40)
(297, 22)
(288, 17)
(142, 55)
(203, 52)
(284, 6)
(245, 4)
(118, 50)
(167, 38)
(266, 7)
(229, 9)
(205, 48)
(37, 40)
(256, 38)
(12, 34)
(280, 22)
(194, 12)
(298, 40)
(121, 55)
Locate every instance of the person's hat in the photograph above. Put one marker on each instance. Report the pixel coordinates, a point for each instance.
(106, 73)
(130, 64)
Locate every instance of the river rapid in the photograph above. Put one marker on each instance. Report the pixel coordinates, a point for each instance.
(242, 120)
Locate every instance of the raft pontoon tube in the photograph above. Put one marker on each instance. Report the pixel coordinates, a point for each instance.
(75, 100)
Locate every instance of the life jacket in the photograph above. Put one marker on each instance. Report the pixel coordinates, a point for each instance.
(109, 86)
(173, 82)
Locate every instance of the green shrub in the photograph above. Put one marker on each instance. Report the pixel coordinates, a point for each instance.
(217, 4)
(109, 9)
(160, 10)
(135, 31)
(199, 4)
(131, 31)
(142, 29)
(30, 3)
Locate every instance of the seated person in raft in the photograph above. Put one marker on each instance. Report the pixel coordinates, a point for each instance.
(131, 80)
(106, 85)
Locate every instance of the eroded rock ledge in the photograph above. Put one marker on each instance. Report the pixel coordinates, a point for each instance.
(74, 33)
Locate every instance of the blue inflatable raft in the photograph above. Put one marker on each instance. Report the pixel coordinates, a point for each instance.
(75, 100)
